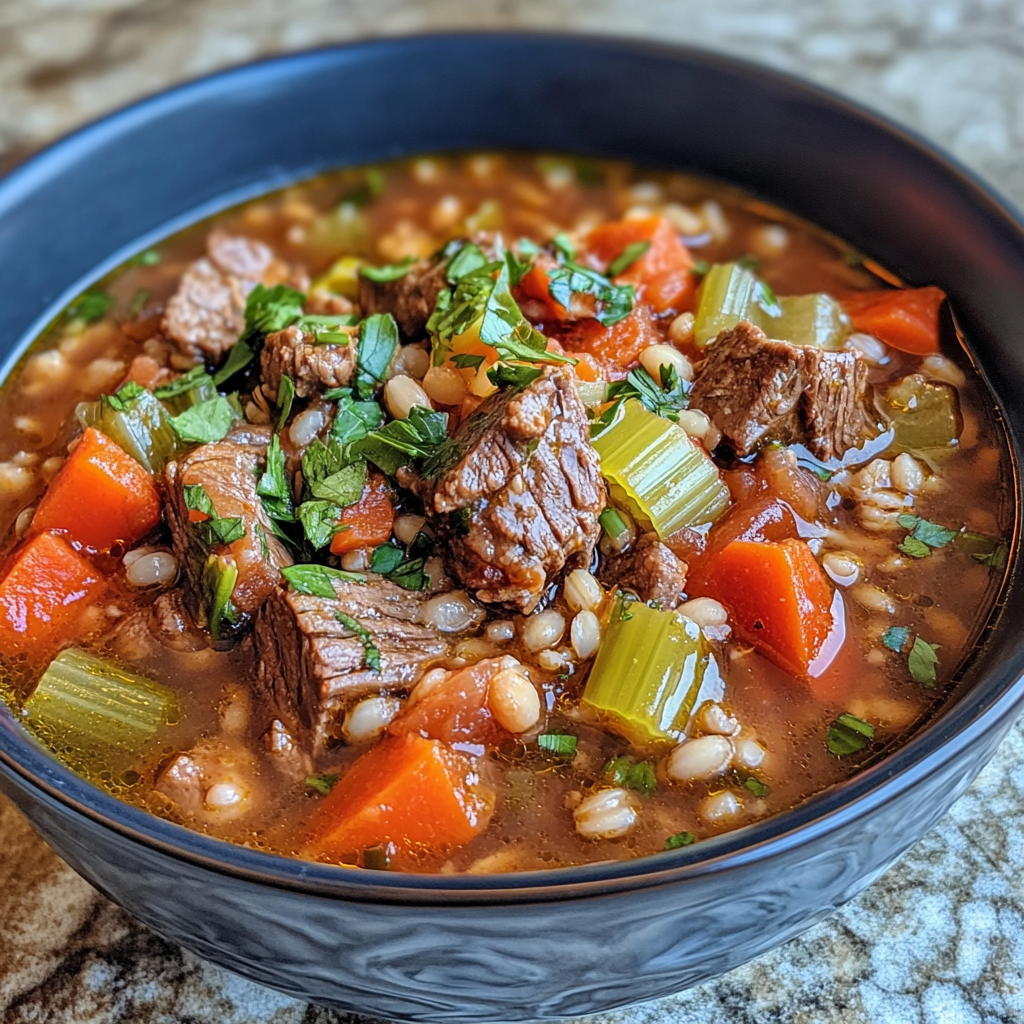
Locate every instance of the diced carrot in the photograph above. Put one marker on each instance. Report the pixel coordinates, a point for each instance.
(454, 708)
(616, 347)
(663, 275)
(536, 288)
(45, 590)
(100, 496)
(907, 319)
(587, 367)
(777, 597)
(412, 793)
(367, 523)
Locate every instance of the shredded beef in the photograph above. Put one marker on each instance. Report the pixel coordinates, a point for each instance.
(312, 366)
(650, 569)
(516, 493)
(228, 472)
(312, 666)
(410, 299)
(757, 389)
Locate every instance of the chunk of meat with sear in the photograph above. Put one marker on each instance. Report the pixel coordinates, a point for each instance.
(758, 389)
(228, 471)
(650, 569)
(516, 493)
(312, 666)
(313, 366)
(410, 299)
(206, 315)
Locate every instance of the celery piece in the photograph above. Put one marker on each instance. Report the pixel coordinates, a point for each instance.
(816, 320)
(140, 426)
(727, 295)
(592, 392)
(648, 672)
(665, 479)
(923, 415)
(95, 717)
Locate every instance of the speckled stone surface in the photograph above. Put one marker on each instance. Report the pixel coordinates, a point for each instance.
(937, 940)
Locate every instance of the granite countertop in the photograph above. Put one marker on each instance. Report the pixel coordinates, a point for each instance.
(939, 939)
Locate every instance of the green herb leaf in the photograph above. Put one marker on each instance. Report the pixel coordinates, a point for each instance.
(321, 784)
(122, 399)
(389, 560)
(563, 244)
(636, 775)
(378, 339)
(922, 662)
(197, 500)
(216, 531)
(386, 558)
(344, 488)
(627, 258)
(464, 361)
(389, 272)
(197, 377)
(615, 302)
(678, 840)
(320, 521)
(756, 786)
(371, 655)
(261, 536)
(90, 307)
(912, 546)
(668, 400)
(317, 579)
(403, 441)
(514, 375)
(285, 397)
(206, 422)
(896, 638)
(467, 260)
(240, 355)
(557, 743)
(925, 532)
(352, 419)
(219, 578)
(849, 734)
(148, 258)
(272, 309)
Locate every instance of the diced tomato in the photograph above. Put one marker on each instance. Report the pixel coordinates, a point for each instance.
(45, 589)
(663, 275)
(906, 319)
(100, 496)
(413, 794)
(145, 371)
(616, 348)
(367, 523)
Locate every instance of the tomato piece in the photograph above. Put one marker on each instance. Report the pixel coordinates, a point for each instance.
(369, 522)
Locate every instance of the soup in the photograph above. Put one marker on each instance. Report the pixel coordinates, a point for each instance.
(492, 513)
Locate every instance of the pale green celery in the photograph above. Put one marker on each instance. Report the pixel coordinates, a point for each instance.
(727, 295)
(923, 415)
(815, 319)
(143, 429)
(653, 469)
(648, 672)
(219, 578)
(592, 392)
(194, 396)
(95, 717)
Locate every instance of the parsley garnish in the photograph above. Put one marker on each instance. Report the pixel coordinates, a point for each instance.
(197, 500)
(515, 375)
(320, 521)
(352, 419)
(321, 784)
(464, 361)
(389, 272)
(563, 244)
(923, 536)
(468, 259)
(90, 307)
(668, 400)
(266, 310)
(122, 399)
(219, 578)
(197, 377)
(216, 531)
(627, 258)
(371, 655)
(615, 302)
(316, 579)
(678, 840)
(896, 638)
(273, 487)
(145, 259)
(756, 786)
(403, 441)
(389, 560)
(206, 422)
(849, 734)
(922, 662)
(636, 775)
(285, 397)
(344, 487)
(557, 743)
(378, 339)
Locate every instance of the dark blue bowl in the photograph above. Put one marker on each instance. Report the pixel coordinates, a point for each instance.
(579, 940)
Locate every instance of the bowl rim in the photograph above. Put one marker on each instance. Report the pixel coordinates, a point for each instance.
(32, 768)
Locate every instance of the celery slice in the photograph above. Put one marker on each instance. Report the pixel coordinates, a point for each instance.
(815, 319)
(665, 479)
(95, 717)
(727, 296)
(649, 672)
(142, 428)
(924, 415)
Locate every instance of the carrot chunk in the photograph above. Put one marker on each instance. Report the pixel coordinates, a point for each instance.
(101, 495)
(616, 347)
(367, 523)
(408, 791)
(47, 587)
(777, 597)
(907, 319)
(662, 274)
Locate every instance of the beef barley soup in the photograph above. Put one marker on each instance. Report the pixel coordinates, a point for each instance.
(492, 513)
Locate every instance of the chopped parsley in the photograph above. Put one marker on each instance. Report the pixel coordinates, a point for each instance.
(122, 399)
(378, 339)
(266, 310)
(467, 259)
(321, 784)
(849, 734)
(197, 500)
(90, 307)
(614, 302)
(371, 655)
(923, 536)
(148, 258)
(353, 419)
(390, 561)
(273, 487)
(215, 530)
(465, 361)
(563, 245)
(628, 257)
(389, 272)
(285, 398)
(206, 422)
(635, 775)
(317, 579)
(557, 743)
(343, 487)
(896, 638)
(403, 441)
(756, 786)
(678, 840)
(922, 662)
(667, 400)
(515, 375)
(197, 377)
(320, 521)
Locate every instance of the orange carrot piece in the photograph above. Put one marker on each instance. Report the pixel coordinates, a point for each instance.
(777, 597)
(407, 791)
(45, 590)
(663, 275)
(368, 523)
(616, 347)
(100, 496)
(907, 319)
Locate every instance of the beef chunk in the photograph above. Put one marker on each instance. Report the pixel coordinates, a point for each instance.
(206, 315)
(312, 666)
(150, 630)
(410, 299)
(519, 503)
(755, 389)
(188, 780)
(311, 366)
(650, 569)
(227, 470)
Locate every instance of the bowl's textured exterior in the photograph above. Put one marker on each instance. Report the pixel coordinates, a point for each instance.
(581, 940)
